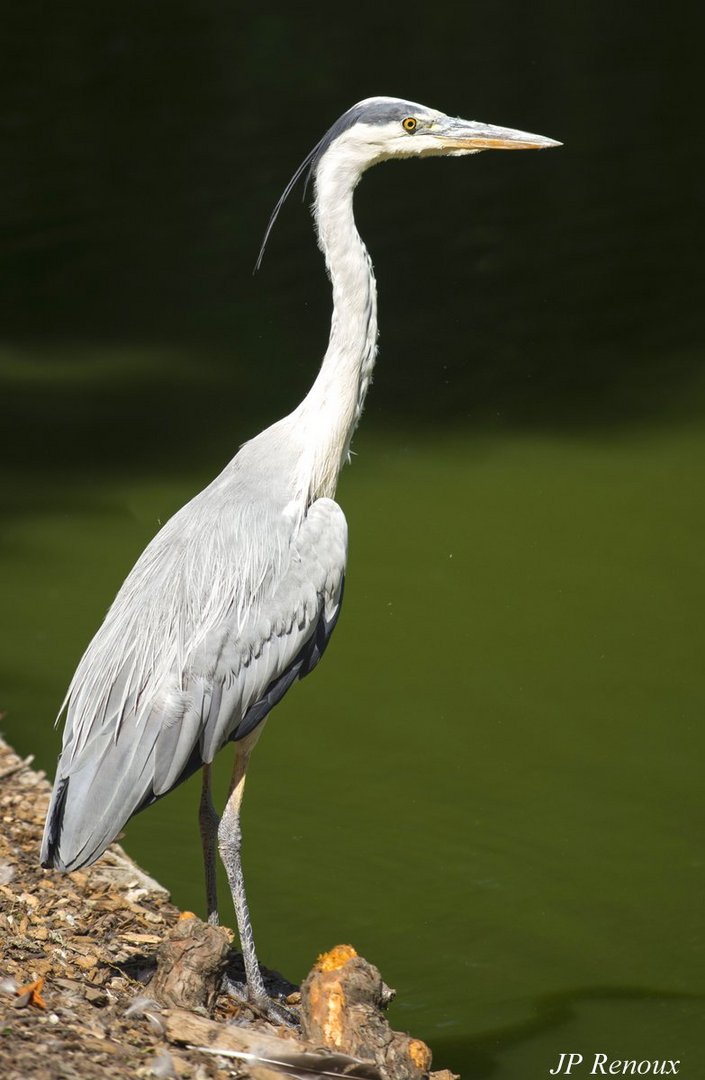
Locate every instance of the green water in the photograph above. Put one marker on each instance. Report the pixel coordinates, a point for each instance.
(492, 786)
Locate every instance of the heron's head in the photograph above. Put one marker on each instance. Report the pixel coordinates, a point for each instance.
(380, 128)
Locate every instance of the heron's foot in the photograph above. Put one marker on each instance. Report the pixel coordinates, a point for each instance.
(261, 1004)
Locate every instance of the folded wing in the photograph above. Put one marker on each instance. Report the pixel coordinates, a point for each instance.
(135, 733)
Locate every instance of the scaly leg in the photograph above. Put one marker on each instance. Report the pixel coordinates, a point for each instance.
(230, 842)
(208, 820)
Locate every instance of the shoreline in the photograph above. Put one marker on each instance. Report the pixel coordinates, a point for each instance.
(98, 979)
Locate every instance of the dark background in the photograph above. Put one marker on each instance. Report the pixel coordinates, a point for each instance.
(145, 145)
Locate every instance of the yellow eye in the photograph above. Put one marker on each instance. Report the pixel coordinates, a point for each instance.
(409, 124)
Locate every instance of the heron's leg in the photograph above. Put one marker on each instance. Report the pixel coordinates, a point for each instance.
(230, 842)
(209, 820)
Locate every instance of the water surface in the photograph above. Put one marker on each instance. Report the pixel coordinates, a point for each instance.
(492, 784)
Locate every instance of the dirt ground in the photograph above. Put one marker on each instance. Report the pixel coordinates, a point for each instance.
(78, 951)
(75, 952)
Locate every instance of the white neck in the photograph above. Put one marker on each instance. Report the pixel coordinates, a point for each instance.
(331, 410)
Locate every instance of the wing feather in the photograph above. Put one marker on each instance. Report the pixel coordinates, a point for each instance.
(148, 706)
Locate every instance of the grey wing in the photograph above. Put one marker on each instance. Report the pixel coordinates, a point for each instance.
(143, 740)
(256, 666)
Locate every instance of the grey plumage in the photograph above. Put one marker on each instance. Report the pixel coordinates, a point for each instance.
(144, 712)
(237, 596)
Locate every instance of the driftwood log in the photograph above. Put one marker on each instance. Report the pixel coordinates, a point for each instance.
(342, 1008)
(343, 1001)
(190, 965)
(261, 1053)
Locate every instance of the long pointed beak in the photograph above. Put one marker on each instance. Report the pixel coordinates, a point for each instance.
(463, 136)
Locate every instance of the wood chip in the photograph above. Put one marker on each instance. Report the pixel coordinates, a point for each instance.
(86, 962)
(140, 939)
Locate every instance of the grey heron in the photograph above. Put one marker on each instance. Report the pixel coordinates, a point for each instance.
(236, 597)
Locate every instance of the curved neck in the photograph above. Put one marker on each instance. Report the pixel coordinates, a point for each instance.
(331, 410)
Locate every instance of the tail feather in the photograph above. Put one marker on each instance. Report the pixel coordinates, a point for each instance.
(99, 789)
(52, 828)
(95, 793)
